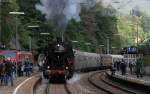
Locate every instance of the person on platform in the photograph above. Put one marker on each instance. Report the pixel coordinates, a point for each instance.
(118, 65)
(123, 67)
(1, 62)
(19, 68)
(9, 72)
(13, 70)
(139, 67)
(31, 67)
(131, 66)
(27, 66)
(113, 68)
(2, 71)
(22, 68)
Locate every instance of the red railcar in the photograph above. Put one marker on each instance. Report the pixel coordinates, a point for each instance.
(16, 56)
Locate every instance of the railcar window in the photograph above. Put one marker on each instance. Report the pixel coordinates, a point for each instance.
(9, 54)
(1, 56)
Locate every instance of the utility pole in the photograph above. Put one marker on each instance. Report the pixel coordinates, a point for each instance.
(30, 43)
(16, 32)
(46, 36)
(74, 42)
(137, 32)
(62, 35)
(0, 22)
(107, 45)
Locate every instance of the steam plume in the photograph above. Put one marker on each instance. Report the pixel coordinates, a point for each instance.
(61, 11)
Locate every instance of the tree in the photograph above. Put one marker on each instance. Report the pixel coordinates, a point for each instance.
(94, 27)
(7, 21)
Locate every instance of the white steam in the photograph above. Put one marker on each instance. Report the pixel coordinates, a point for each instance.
(74, 79)
(67, 8)
(61, 11)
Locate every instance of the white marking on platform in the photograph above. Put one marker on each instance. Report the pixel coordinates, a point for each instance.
(17, 88)
(132, 78)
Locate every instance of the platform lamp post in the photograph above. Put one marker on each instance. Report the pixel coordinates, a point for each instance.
(16, 17)
(119, 36)
(74, 41)
(101, 49)
(113, 49)
(108, 42)
(30, 39)
(45, 34)
(88, 44)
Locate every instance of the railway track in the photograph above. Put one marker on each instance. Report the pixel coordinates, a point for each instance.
(70, 88)
(84, 82)
(89, 83)
(57, 89)
(96, 79)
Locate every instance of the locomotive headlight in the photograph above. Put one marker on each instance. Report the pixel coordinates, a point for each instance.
(66, 68)
(58, 45)
(48, 67)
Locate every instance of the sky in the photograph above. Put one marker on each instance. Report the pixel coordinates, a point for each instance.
(125, 6)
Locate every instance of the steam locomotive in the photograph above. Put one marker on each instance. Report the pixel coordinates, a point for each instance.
(58, 61)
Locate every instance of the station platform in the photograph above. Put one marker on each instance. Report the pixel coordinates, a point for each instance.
(10, 89)
(142, 80)
(131, 82)
(145, 80)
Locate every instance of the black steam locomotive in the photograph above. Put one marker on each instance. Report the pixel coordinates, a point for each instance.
(59, 61)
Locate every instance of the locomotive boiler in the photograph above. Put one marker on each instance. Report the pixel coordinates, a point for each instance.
(59, 61)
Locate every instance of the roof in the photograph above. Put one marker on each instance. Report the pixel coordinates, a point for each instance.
(113, 56)
(117, 56)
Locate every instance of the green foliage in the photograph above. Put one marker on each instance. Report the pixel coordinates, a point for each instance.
(7, 21)
(144, 48)
(128, 30)
(94, 27)
(31, 17)
(128, 25)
